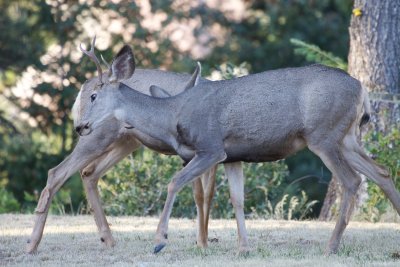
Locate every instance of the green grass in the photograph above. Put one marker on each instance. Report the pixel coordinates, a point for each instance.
(73, 240)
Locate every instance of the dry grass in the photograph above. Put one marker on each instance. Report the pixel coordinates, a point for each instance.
(73, 240)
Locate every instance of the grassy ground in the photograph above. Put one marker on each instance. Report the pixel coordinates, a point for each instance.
(73, 240)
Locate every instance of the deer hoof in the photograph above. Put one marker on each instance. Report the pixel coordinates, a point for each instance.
(331, 250)
(202, 245)
(244, 252)
(108, 242)
(32, 250)
(159, 247)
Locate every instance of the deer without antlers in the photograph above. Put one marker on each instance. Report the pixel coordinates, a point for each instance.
(256, 118)
(94, 154)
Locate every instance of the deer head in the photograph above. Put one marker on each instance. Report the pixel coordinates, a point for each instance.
(121, 68)
(106, 92)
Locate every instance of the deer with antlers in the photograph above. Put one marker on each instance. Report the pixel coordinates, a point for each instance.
(94, 154)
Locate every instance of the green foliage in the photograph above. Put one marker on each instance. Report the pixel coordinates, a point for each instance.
(289, 207)
(262, 39)
(8, 203)
(61, 204)
(22, 34)
(24, 163)
(265, 184)
(228, 71)
(313, 53)
(385, 149)
(309, 174)
(138, 186)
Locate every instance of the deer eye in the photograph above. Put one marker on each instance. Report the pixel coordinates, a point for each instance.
(93, 97)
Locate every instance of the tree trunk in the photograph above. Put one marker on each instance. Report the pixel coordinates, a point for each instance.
(374, 56)
(374, 59)
(327, 213)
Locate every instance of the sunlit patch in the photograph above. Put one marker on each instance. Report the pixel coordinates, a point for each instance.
(49, 229)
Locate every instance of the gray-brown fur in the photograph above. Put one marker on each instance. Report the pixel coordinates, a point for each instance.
(261, 117)
(94, 154)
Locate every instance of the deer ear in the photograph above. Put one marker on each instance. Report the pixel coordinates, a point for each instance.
(158, 92)
(194, 80)
(123, 65)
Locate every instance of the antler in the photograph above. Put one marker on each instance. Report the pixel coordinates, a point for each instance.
(93, 57)
(105, 62)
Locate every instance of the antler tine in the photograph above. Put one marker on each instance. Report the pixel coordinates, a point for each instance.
(105, 62)
(90, 53)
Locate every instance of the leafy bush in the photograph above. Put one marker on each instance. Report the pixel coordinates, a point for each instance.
(61, 204)
(23, 157)
(24, 163)
(228, 71)
(8, 203)
(385, 149)
(138, 186)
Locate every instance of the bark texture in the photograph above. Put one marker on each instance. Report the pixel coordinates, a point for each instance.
(374, 59)
(374, 56)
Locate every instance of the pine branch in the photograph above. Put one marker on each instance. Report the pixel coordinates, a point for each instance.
(313, 53)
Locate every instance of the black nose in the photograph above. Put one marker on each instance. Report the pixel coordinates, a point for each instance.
(78, 129)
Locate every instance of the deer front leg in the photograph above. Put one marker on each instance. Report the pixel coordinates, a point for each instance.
(234, 173)
(56, 178)
(197, 166)
(86, 150)
(90, 176)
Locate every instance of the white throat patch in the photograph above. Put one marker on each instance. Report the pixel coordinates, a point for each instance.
(76, 108)
(120, 114)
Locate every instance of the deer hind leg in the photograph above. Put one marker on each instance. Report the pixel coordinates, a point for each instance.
(336, 162)
(208, 182)
(90, 177)
(203, 191)
(198, 194)
(234, 173)
(360, 161)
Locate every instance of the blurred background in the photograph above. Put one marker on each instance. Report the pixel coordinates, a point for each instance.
(42, 69)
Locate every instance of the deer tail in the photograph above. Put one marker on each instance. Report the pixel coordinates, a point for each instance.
(367, 108)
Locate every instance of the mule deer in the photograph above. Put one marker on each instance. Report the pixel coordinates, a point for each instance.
(256, 118)
(93, 155)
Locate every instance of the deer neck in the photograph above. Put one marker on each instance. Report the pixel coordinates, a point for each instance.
(149, 115)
